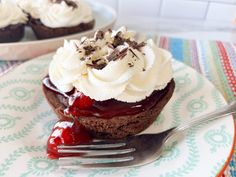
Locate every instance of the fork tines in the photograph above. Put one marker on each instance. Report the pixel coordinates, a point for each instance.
(96, 154)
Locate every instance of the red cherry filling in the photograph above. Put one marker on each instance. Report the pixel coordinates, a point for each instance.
(81, 105)
(66, 133)
(81, 101)
(77, 102)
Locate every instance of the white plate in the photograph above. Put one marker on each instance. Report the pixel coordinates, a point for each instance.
(30, 47)
(26, 121)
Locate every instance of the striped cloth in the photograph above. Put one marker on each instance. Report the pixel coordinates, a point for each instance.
(6, 66)
(214, 59)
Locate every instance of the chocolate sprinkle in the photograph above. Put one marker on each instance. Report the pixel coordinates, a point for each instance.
(82, 42)
(77, 48)
(140, 45)
(99, 35)
(89, 49)
(134, 44)
(133, 52)
(68, 2)
(118, 40)
(97, 64)
(116, 54)
(113, 56)
(131, 64)
(123, 52)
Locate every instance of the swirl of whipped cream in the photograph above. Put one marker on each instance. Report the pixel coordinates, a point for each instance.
(56, 15)
(32, 7)
(63, 69)
(131, 77)
(11, 14)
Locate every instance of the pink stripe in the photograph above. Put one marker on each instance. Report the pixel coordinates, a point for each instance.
(195, 58)
(163, 43)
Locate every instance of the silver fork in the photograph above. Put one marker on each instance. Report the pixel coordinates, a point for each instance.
(132, 151)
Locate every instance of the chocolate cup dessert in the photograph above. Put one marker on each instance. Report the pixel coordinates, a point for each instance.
(43, 32)
(118, 126)
(12, 33)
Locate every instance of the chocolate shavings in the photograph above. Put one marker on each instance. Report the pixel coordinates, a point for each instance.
(89, 49)
(99, 35)
(118, 40)
(97, 64)
(134, 44)
(76, 46)
(116, 54)
(133, 53)
(82, 42)
(131, 64)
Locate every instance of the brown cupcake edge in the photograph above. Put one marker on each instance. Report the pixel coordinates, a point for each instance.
(43, 32)
(12, 33)
(118, 126)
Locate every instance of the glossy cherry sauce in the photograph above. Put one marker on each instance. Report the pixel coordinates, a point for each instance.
(66, 133)
(103, 109)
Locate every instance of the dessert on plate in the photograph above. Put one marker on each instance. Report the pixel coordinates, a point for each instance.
(111, 85)
(54, 18)
(12, 22)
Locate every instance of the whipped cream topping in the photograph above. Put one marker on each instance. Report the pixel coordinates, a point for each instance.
(111, 65)
(58, 13)
(11, 14)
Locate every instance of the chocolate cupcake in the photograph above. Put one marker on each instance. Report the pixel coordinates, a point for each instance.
(12, 22)
(130, 118)
(54, 18)
(111, 84)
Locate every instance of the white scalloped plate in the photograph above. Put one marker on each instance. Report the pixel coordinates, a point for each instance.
(26, 121)
(30, 47)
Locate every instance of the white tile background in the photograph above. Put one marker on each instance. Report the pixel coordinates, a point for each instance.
(176, 13)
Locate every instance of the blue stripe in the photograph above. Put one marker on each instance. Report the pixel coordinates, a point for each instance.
(2, 66)
(204, 59)
(232, 166)
(2, 62)
(176, 48)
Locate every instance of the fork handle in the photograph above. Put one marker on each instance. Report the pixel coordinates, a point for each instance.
(219, 113)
